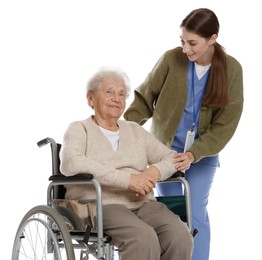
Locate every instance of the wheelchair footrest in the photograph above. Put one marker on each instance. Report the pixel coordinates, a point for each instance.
(85, 236)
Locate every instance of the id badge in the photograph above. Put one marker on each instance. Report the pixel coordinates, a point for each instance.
(190, 137)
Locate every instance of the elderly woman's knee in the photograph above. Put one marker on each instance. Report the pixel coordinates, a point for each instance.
(146, 235)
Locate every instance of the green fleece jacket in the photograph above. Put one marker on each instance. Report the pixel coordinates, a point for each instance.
(163, 96)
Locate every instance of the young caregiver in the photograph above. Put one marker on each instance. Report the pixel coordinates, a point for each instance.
(194, 95)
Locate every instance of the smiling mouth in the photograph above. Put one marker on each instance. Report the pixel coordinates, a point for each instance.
(114, 107)
(191, 55)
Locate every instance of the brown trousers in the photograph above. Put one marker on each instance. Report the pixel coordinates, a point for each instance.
(151, 232)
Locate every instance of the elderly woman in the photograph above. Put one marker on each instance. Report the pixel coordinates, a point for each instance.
(127, 161)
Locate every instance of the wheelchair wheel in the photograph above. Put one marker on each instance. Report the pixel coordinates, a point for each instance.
(71, 218)
(43, 234)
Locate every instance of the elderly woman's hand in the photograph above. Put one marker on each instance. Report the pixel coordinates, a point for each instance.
(144, 182)
(141, 184)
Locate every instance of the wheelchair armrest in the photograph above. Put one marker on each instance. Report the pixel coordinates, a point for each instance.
(81, 178)
(178, 174)
(176, 177)
(78, 177)
(180, 177)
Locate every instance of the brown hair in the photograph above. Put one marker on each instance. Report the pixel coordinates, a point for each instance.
(204, 23)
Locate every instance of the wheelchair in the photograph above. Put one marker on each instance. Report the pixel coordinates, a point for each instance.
(56, 232)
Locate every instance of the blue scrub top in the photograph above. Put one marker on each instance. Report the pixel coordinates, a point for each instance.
(196, 90)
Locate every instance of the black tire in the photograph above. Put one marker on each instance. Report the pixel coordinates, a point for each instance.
(42, 234)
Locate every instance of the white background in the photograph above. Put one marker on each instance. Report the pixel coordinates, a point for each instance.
(49, 49)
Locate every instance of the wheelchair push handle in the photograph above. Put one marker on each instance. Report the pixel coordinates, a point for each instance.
(45, 141)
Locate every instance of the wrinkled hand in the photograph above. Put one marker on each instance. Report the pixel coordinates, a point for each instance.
(142, 183)
(183, 161)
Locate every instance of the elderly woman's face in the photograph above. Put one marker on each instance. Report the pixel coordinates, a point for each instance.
(110, 100)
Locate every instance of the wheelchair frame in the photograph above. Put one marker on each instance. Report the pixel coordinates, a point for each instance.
(63, 230)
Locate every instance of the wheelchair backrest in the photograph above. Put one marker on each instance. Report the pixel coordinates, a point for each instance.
(59, 191)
